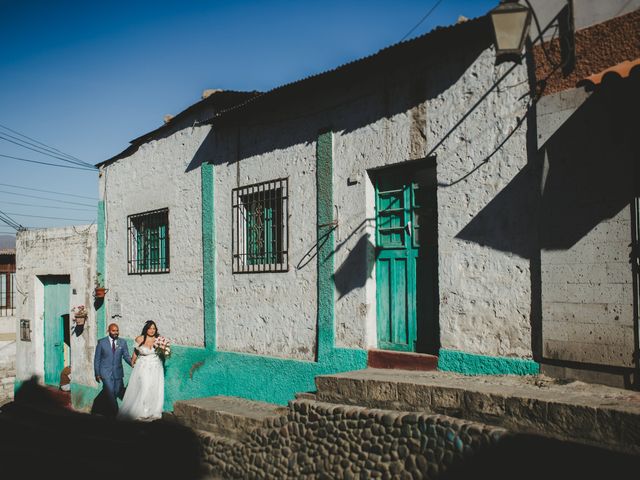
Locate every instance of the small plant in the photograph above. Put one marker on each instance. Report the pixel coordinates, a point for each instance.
(99, 291)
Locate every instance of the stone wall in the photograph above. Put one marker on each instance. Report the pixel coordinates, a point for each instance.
(321, 440)
(587, 222)
(56, 251)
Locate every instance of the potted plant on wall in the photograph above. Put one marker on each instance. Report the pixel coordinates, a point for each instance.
(99, 291)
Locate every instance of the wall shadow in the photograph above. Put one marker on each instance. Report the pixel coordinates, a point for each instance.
(356, 268)
(589, 179)
(586, 174)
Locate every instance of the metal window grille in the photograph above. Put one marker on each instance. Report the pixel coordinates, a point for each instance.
(148, 246)
(7, 294)
(260, 230)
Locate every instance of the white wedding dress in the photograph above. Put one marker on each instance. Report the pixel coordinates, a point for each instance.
(144, 396)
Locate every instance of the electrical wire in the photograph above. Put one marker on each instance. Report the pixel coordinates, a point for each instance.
(88, 209)
(46, 198)
(422, 19)
(9, 221)
(47, 151)
(58, 157)
(50, 218)
(46, 191)
(46, 163)
(44, 145)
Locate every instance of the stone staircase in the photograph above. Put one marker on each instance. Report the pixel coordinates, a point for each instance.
(381, 423)
(589, 414)
(232, 418)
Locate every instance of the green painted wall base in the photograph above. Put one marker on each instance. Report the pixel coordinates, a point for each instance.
(202, 372)
(473, 364)
(82, 396)
(196, 372)
(192, 372)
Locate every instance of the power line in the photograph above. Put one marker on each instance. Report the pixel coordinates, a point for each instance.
(46, 191)
(46, 198)
(42, 144)
(422, 19)
(50, 218)
(4, 137)
(46, 163)
(88, 209)
(39, 149)
(9, 221)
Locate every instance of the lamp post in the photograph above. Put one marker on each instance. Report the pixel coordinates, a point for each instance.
(510, 27)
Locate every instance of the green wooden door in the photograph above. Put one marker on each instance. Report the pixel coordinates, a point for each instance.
(56, 306)
(405, 269)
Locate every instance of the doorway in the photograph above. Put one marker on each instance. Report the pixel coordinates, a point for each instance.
(56, 325)
(407, 257)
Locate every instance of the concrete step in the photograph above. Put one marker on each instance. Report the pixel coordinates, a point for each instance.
(229, 417)
(586, 413)
(401, 360)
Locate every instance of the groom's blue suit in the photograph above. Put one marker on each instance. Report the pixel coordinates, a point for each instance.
(107, 364)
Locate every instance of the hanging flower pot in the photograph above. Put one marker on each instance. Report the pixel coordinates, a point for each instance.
(100, 292)
(80, 319)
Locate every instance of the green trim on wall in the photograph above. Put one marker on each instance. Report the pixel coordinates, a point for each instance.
(16, 386)
(101, 313)
(196, 372)
(208, 257)
(474, 364)
(325, 244)
(193, 372)
(82, 396)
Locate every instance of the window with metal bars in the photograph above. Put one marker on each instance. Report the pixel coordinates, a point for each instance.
(260, 234)
(7, 293)
(148, 248)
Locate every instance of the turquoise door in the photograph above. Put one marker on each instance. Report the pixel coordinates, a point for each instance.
(406, 264)
(56, 307)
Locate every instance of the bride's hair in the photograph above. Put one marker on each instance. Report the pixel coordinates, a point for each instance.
(145, 329)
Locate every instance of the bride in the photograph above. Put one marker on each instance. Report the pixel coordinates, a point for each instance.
(144, 396)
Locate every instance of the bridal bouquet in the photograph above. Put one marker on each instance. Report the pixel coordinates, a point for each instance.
(162, 347)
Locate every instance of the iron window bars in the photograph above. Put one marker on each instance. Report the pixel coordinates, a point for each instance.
(7, 293)
(148, 246)
(260, 227)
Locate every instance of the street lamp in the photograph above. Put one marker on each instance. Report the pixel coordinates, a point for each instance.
(510, 26)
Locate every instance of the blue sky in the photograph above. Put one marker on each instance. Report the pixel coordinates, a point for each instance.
(86, 77)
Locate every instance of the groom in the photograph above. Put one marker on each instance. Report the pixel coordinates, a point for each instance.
(107, 365)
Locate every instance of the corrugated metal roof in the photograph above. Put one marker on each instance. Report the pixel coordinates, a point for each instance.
(224, 98)
(402, 48)
(387, 54)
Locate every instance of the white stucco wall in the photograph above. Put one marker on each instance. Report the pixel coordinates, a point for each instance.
(268, 313)
(484, 289)
(484, 292)
(55, 251)
(157, 176)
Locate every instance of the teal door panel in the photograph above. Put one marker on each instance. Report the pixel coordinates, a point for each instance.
(56, 307)
(404, 290)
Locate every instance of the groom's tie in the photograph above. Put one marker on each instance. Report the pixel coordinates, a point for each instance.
(113, 346)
